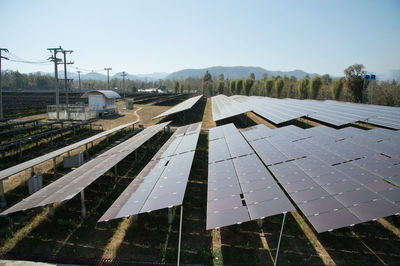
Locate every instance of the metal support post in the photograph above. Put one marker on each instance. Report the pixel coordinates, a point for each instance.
(180, 237)
(55, 166)
(83, 207)
(260, 223)
(279, 241)
(3, 198)
(115, 173)
(170, 216)
(169, 129)
(32, 171)
(20, 149)
(51, 209)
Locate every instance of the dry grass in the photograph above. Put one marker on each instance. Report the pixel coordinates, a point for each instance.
(259, 120)
(110, 251)
(207, 116)
(309, 233)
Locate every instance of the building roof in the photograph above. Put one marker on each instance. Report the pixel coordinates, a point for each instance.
(109, 94)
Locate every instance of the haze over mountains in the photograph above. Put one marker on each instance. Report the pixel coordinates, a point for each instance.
(229, 73)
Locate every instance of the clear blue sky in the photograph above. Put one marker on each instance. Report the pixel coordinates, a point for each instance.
(164, 36)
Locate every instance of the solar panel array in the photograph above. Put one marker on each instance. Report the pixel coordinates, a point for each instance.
(162, 183)
(183, 106)
(224, 107)
(240, 188)
(331, 112)
(337, 178)
(31, 163)
(74, 182)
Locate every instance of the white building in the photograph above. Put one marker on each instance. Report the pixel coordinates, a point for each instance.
(101, 101)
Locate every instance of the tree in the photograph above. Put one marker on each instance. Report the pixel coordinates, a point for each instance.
(303, 88)
(248, 83)
(239, 86)
(176, 87)
(221, 76)
(269, 84)
(252, 76)
(326, 79)
(181, 87)
(207, 84)
(279, 86)
(232, 86)
(337, 88)
(316, 84)
(354, 80)
(264, 77)
(221, 86)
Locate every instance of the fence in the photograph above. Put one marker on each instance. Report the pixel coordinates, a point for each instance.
(73, 112)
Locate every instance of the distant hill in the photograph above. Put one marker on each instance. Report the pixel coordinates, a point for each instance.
(103, 77)
(236, 72)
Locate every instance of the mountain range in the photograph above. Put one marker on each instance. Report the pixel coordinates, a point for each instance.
(229, 73)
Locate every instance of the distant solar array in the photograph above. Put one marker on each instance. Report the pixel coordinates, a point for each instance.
(331, 112)
(4, 174)
(240, 188)
(337, 178)
(162, 183)
(183, 106)
(74, 182)
(224, 107)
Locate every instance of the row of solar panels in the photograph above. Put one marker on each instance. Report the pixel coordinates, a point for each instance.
(4, 174)
(337, 178)
(183, 106)
(161, 184)
(282, 110)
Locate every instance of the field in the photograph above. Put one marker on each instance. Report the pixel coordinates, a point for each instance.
(67, 238)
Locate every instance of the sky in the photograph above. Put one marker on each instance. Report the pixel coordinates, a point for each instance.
(317, 36)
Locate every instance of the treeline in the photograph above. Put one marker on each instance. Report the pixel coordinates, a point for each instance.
(16, 81)
(348, 88)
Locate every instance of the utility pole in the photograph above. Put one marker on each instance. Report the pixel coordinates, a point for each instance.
(79, 78)
(108, 76)
(123, 82)
(1, 88)
(66, 79)
(56, 62)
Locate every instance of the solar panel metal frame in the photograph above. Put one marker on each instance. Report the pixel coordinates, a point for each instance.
(72, 183)
(4, 174)
(158, 185)
(343, 195)
(230, 184)
(183, 106)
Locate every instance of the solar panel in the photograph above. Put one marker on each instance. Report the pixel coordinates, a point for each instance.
(31, 163)
(72, 183)
(162, 183)
(331, 191)
(183, 106)
(240, 188)
(331, 112)
(223, 107)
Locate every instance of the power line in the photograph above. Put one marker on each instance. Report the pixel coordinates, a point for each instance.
(56, 61)
(1, 90)
(108, 76)
(123, 81)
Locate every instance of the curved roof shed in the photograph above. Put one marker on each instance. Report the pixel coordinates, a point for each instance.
(108, 94)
